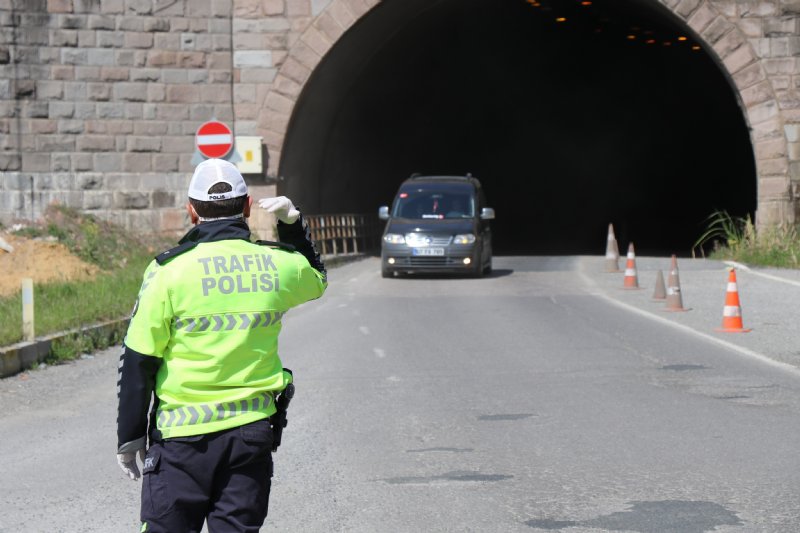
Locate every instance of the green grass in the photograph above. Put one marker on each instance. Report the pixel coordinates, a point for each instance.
(736, 238)
(63, 306)
(110, 295)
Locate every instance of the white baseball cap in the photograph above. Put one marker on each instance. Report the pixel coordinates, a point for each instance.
(213, 171)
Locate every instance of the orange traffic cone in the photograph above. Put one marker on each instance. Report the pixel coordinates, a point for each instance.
(612, 251)
(674, 297)
(660, 292)
(631, 277)
(732, 313)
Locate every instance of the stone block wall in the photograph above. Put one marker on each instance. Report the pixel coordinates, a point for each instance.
(100, 99)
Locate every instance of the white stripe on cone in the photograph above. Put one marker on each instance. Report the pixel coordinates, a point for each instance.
(630, 272)
(732, 287)
(731, 310)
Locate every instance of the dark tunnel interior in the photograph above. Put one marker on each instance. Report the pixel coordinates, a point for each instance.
(573, 114)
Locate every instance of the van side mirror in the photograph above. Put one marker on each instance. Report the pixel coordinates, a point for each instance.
(383, 212)
(487, 213)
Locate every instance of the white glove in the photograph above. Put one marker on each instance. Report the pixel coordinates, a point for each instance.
(283, 208)
(127, 462)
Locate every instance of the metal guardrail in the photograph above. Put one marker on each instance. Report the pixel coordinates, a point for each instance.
(345, 234)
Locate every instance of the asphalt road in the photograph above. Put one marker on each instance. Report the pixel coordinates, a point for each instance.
(542, 398)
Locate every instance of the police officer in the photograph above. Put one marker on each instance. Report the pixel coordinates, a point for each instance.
(200, 365)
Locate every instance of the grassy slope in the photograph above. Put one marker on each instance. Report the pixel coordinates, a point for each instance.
(110, 295)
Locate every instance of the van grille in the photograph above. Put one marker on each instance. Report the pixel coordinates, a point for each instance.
(430, 261)
(416, 261)
(435, 240)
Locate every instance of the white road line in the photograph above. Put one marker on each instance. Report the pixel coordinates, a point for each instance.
(762, 274)
(364, 330)
(686, 329)
(379, 352)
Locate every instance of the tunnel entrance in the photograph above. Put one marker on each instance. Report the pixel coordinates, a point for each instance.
(572, 114)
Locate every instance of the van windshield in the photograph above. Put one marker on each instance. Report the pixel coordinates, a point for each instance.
(434, 204)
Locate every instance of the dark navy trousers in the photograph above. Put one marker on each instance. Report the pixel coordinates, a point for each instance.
(221, 477)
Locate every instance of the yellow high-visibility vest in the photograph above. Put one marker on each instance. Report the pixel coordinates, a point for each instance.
(213, 314)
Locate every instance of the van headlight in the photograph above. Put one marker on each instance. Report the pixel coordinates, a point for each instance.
(394, 238)
(464, 238)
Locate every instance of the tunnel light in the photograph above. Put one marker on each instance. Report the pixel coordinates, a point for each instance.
(696, 47)
(561, 19)
(631, 37)
(586, 3)
(667, 43)
(650, 41)
(681, 38)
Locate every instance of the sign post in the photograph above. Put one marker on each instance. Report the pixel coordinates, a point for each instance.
(28, 330)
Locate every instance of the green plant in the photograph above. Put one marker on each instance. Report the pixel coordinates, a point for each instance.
(54, 231)
(723, 230)
(736, 238)
(30, 232)
(68, 347)
(73, 345)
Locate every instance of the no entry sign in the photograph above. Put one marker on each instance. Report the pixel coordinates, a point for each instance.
(214, 139)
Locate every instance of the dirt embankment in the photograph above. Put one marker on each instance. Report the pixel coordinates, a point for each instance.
(41, 260)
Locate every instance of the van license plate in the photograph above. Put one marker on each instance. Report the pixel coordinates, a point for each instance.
(427, 251)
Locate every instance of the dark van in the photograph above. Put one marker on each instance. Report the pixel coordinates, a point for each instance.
(437, 224)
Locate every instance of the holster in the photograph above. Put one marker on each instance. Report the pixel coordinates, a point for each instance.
(279, 420)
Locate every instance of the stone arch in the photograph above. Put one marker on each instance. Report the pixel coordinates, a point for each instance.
(733, 52)
(723, 39)
(303, 57)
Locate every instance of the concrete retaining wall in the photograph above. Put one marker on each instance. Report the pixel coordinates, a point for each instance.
(24, 355)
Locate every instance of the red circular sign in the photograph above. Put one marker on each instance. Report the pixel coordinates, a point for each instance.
(214, 139)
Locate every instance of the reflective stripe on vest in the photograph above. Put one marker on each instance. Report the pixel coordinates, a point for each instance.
(228, 321)
(205, 413)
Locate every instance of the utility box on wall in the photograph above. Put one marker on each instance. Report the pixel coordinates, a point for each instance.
(250, 156)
